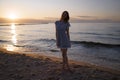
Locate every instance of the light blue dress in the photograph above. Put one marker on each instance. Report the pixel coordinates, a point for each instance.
(62, 38)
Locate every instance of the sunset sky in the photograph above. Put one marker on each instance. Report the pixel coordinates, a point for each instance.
(52, 9)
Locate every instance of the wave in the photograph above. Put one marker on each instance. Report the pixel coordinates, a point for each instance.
(84, 43)
(9, 24)
(46, 40)
(95, 33)
(15, 24)
(3, 41)
(86, 33)
(92, 44)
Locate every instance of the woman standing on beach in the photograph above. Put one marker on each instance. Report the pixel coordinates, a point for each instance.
(63, 38)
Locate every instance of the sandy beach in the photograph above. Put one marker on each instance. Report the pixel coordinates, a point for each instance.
(19, 66)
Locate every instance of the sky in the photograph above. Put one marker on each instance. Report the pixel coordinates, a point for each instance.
(52, 9)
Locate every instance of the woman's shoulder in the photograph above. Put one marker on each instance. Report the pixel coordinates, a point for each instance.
(60, 23)
(56, 22)
(68, 24)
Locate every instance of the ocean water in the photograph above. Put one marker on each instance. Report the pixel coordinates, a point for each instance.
(95, 43)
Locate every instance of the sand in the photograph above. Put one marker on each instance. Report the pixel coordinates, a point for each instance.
(20, 66)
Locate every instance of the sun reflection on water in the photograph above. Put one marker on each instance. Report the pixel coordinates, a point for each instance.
(13, 31)
(10, 48)
(13, 38)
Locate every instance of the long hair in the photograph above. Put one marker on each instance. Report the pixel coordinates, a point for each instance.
(65, 17)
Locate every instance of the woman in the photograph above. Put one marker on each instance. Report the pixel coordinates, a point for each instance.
(63, 38)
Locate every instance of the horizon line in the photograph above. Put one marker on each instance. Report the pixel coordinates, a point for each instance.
(51, 19)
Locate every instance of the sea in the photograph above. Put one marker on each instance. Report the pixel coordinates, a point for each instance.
(94, 43)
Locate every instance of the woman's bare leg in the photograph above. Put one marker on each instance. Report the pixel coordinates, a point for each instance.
(65, 58)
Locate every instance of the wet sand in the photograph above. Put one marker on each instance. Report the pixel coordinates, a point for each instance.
(20, 66)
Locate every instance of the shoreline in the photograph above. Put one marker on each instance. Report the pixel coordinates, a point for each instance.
(37, 55)
(79, 68)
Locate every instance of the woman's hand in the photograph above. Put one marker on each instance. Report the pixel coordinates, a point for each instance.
(57, 44)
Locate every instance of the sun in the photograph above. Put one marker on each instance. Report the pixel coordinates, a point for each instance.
(12, 16)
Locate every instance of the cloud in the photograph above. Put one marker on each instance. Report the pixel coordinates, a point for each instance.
(86, 16)
(51, 18)
(93, 20)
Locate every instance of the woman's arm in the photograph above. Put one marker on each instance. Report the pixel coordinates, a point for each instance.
(56, 34)
(67, 31)
(56, 38)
